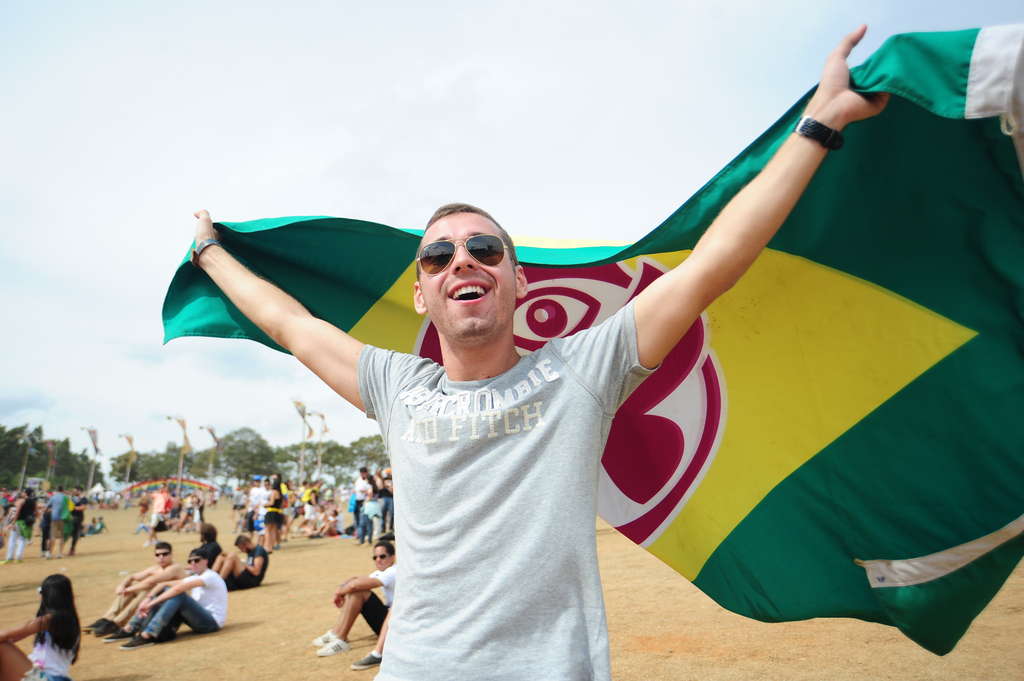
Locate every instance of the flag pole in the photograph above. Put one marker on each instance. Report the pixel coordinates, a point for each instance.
(185, 449)
(94, 436)
(320, 442)
(217, 448)
(51, 462)
(306, 430)
(131, 457)
(26, 440)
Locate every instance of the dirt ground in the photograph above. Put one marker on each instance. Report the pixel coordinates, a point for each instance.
(660, 626)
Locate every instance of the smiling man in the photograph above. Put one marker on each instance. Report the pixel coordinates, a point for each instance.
(475, 441)
(133, 589)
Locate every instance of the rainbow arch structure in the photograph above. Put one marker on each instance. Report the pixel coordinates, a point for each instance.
(157, 483)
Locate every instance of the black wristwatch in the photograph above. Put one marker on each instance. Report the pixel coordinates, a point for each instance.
(830, 138)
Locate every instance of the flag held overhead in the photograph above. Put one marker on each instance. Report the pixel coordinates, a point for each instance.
(837, 436)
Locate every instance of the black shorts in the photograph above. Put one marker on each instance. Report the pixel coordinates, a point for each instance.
(273, 518)
(374, 612)
(245, 580)
(161, 526)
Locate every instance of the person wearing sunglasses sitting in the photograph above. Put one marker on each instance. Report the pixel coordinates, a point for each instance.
(133, 588)
(476, 440)
(200, 600)
(355, 597)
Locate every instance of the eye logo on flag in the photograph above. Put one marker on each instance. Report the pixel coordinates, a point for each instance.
(665, 435)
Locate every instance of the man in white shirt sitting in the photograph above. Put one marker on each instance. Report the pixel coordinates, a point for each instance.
(204, 607)
(355, 596)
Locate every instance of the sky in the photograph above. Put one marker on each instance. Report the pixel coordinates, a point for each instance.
(581, 120)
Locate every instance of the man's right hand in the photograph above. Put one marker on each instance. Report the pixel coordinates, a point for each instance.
(328, 351)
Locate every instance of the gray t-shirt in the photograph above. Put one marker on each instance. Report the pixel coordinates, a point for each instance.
(497, 484)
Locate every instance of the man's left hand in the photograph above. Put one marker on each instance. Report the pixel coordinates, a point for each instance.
(834, 103)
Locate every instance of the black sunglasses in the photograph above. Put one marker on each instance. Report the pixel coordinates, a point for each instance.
(161, 554)
(195, 560)
(380, 557)
(486, 249)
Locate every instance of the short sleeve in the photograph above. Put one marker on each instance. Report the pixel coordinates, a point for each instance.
(382, 373)
(386, 577)
(604, 358)
(209, 578)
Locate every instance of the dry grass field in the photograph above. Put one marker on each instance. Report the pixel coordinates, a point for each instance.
(660, 626)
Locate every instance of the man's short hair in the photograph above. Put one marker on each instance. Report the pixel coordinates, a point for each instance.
(456, 208)
(159, 544)
(242, 539)
(198, 552)
(387, 546)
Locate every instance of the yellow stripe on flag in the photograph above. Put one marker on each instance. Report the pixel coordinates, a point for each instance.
(392, 322)
(806, 351)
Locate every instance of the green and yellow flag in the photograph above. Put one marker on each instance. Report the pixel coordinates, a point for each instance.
(842, 434)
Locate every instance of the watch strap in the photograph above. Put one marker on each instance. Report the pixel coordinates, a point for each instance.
(830, 138)
(200, 247)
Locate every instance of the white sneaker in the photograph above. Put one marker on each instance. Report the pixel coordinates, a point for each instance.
(333, 648)
(324, 638)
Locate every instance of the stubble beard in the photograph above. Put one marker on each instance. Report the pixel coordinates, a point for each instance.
(474, 331)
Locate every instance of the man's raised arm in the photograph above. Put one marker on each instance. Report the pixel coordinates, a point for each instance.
(329, 352)
(667, 308)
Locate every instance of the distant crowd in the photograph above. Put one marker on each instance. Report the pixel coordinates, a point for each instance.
(57, 517)
(152, 603)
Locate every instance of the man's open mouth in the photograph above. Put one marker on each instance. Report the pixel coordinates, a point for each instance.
(468, 293)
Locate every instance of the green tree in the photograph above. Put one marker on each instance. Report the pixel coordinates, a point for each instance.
(339, 461)
(71, 469)
(246, 454)
(370, 451)
(153, 465)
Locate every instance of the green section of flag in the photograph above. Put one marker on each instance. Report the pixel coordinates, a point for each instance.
(906, 66)
(936, 614)
(931, 209)
(935, 466)
(337, 267)
(919, 202)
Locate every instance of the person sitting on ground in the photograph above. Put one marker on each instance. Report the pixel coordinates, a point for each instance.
(245, 569)
(311, 505)
(374, 657)
(204, 608)
(209, 548)
(143, 518)
(331, 523)
(355, 596)
(56, 637)
(133, 588)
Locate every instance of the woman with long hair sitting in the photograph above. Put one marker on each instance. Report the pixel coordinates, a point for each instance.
(56, 632)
